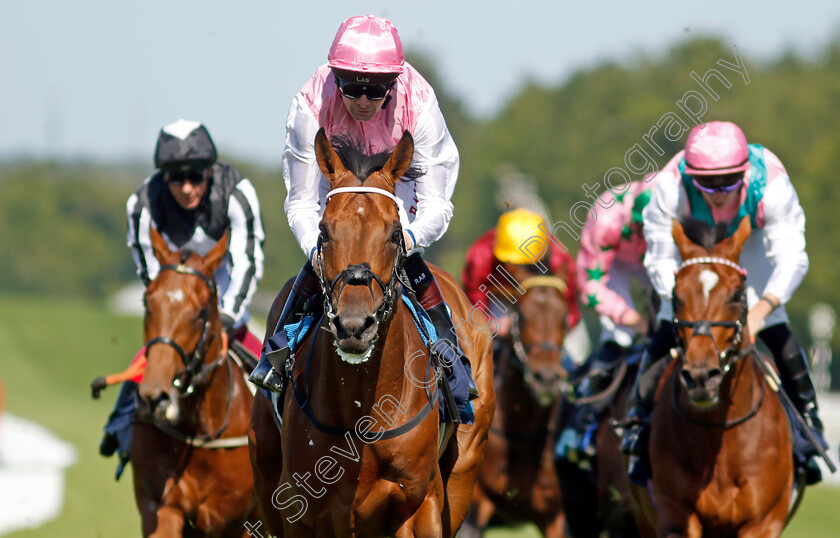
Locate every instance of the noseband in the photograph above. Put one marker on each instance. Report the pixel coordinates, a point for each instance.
(703, 327)
(361, 274)
(192, 363)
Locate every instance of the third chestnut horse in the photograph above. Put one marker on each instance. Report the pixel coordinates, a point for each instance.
(720, 447)
(517, 479)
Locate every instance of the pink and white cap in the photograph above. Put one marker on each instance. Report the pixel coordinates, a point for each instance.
(369, 44)
(717, 148)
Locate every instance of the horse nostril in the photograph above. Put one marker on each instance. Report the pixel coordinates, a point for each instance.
(353, 327)
(688, 379)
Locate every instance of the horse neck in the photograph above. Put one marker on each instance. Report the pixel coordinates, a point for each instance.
(515, 404)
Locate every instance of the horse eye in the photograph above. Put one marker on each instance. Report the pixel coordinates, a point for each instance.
(738, 296)
(396, 237)
(325, 235)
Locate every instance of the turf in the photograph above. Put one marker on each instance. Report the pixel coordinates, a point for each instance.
(51, 350)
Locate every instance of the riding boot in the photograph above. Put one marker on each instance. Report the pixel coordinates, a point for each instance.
(305, 290)
(794, 371)
(636, 436)
(447, 347)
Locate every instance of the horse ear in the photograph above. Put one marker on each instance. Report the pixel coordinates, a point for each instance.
(731, 247)
(688, 249)
(328, 160)
(214, 258)
(161, 250)
(400, 160)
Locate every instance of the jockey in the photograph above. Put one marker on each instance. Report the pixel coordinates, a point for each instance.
(720, 178)
(369, 94)
(192, 199)
(608, 261)
(500, 245)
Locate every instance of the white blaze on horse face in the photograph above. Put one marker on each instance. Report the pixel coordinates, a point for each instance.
(361, 211)
(176, 296)
(709, 279)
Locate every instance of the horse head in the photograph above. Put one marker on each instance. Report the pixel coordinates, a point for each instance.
(361, 241)
(181, 327)
(538, 330)
(710, 307)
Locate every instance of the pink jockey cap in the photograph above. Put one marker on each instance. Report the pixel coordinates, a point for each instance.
(717, 148)
(367, 43)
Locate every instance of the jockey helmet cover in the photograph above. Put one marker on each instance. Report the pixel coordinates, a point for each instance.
(184, 144)
(367, 44)
(514, 231)
(716, 148)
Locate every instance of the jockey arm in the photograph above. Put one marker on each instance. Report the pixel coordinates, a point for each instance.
(662, 256)
(436, 154)
(595, 258)
(245, 251)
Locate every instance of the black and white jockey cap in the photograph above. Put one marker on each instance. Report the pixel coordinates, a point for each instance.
(186, 145)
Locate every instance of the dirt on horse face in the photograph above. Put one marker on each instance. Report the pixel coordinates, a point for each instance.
(190, 399)
(358, 451)
(517, 478)
(720, 448)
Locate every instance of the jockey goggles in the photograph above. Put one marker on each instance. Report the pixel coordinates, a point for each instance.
(354, 90)
(179, 177)
(719, 189)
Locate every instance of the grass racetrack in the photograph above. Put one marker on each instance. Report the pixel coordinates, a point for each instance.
(52, 349)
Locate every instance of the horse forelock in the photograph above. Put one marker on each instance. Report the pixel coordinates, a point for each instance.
(362, 164)
(704, 234)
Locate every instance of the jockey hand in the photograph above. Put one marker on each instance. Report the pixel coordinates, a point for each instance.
(505, 323)
(408, 240)
(634, 321)
(96, 386)
(758, 313)
(225, 343)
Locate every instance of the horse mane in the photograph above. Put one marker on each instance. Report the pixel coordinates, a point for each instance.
(704, 234)
(363, 165)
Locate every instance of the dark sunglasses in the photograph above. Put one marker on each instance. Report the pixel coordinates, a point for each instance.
(354, 90)
(177, 179)
(721, 189)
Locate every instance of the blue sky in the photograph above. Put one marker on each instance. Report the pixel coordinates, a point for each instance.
(99, 78)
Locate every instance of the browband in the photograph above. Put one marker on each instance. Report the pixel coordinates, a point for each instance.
(361, 189)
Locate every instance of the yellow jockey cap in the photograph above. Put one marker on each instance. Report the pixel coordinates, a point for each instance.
(516, 228)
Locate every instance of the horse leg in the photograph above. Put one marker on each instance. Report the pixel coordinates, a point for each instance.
(426, 521)
(555, 528)
(168, 522)
(674, 521)
(266, 462)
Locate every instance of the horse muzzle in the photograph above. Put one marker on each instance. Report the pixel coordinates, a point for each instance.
(161, 408)
(354, 334)
(702, 385)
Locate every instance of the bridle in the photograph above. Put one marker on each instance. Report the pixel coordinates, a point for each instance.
(520, 351)
(361, 274)
(703, 327)
(194, 375)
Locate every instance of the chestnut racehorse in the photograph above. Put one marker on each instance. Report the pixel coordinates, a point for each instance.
(358, 450)
(517, 480)
(720, 447)
(188, 450)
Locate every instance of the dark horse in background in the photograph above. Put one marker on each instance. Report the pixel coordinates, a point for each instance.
(192, 474)
(720, 448)
(359, 452)
(598, 500)
(517, 480)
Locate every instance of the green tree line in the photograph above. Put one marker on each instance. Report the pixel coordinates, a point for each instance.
(62, 225)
